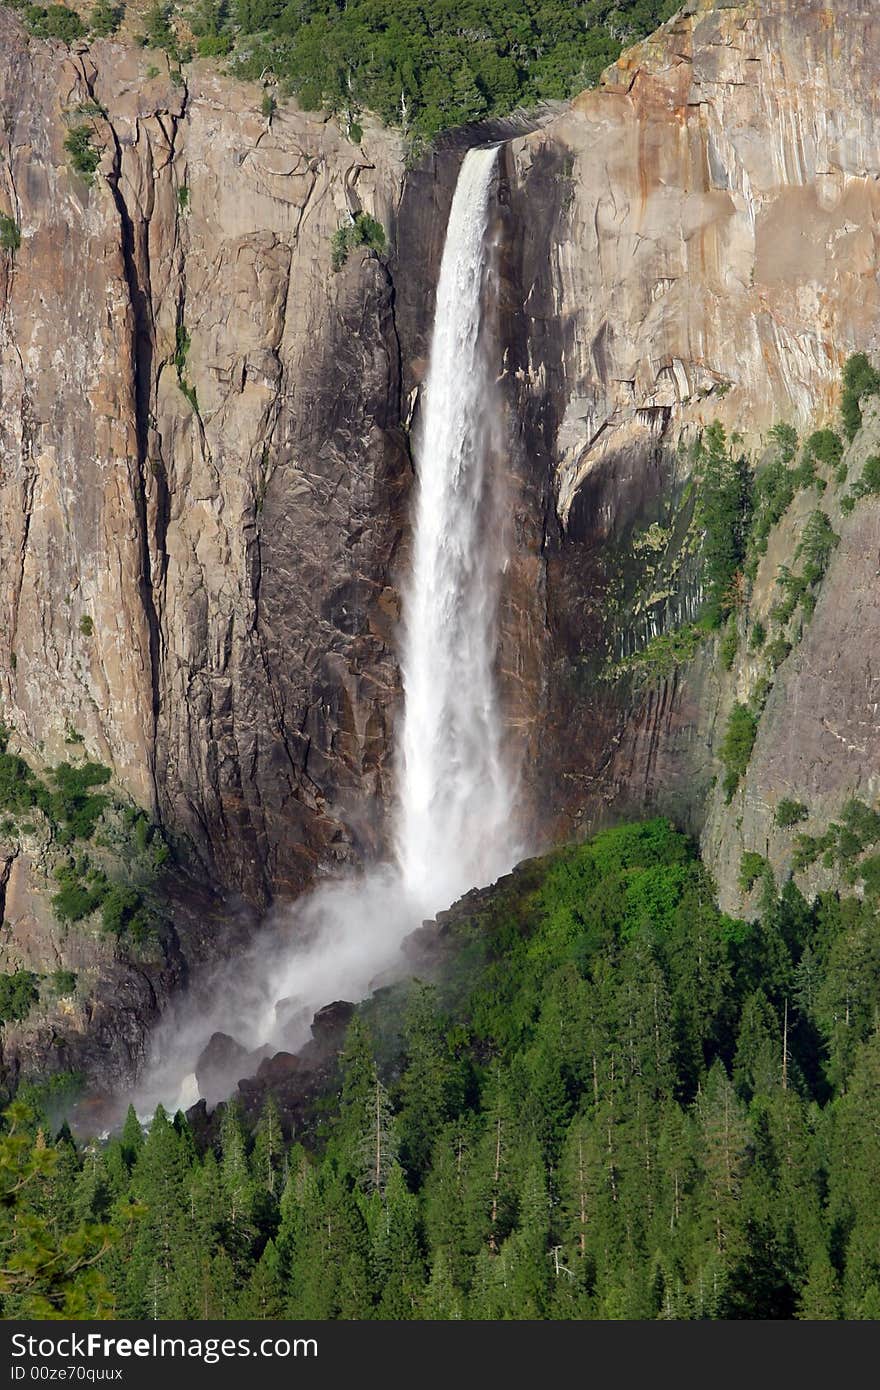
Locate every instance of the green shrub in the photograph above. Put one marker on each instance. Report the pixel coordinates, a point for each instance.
(758, 637)
(18, 994)
(725, 508)
(54, 22)
(158, 31)
(181, 353)
(847, 504)
(123, 913)
(826, 447)
(18, 785)
(863, 823)
(729, 643)
(662, 655)
(183, 200)
(868, 484)
(777, 651)
(73, 804)
(105, 18)
(63, 982)
(214, 45)
(859, 380)
(736, 748)
(10, 234)
(81, 892)
(84, 158)
(752, 867)
(786, 441)
(869, 873)
(86, 626)
(807, 849)
(789, 813)
(817, 545)
(363, 230)
(805, 475)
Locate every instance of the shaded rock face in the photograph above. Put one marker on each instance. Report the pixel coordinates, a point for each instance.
(204, 432)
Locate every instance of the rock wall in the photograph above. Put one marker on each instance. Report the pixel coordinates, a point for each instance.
(204, 431)
(695, 240)
(200, 581)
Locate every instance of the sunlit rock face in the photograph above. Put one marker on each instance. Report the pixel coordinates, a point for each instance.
(202, 455)
(696, 240)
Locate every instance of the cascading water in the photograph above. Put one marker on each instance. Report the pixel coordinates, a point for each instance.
(455, 796)
(455, 799)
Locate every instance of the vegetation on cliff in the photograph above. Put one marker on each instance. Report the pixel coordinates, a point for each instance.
(117, 879)
(616, 1103)
(423, 67)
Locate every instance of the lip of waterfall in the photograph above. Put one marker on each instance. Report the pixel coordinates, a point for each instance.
(455, 797)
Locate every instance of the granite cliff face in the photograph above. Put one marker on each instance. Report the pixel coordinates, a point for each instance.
(697, 241)
(205, 464)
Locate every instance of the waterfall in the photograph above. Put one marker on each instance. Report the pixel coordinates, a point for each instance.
(455, 800)
(455, 797)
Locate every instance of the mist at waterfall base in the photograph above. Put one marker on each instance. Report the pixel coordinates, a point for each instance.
(455, 811)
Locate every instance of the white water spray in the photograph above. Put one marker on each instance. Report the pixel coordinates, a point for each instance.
(454, 823)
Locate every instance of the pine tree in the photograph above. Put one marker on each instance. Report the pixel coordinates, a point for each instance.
(367, 1130)
(264, 1297)
(425, 1083)
(723, 1136)
(160, 1182)
(442, 1300)
(448, 1206)
(757, 1066)
(132, 1138)
(398, 1260)
(238, 1190)
(820, 1299)
(268, 1154)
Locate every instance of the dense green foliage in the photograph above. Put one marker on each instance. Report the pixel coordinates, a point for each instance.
(53, 22)
(50, 1243)
(18, 993)
(789, 813)
(725, 513)
(737, 745)
(84, 157)
(362, 230)
(860, 379)
(72, 807)
(426, 64)
(10, 233)
(182, 345)
(663, 653)
(105, 18)
(843, 845)
(868, 485)
(73, 812)
(616, 1103)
